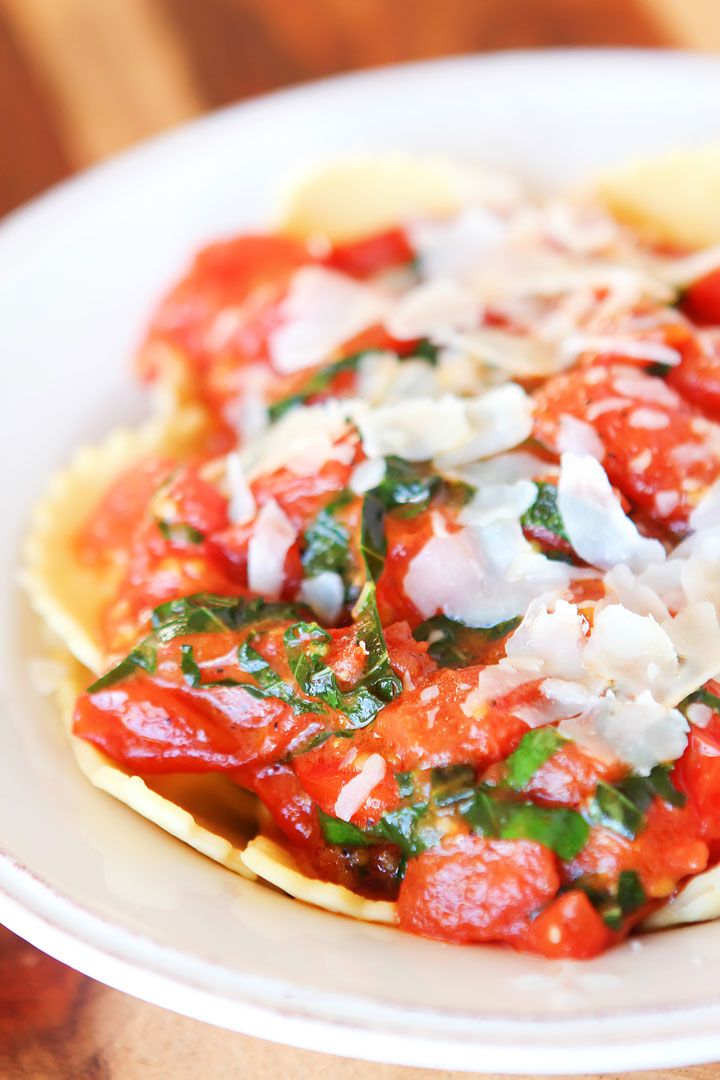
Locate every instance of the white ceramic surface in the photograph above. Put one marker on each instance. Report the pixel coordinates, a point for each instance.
(80, 875)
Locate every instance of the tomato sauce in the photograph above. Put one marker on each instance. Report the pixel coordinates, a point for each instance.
(363, 735)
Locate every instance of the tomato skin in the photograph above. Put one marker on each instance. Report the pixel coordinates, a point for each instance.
(697, 376)
(475, 889)
(109, 530)
(569, 927)
(681, 455)
(222, 277)
(667, 849)
(701, 300)
(371, 255)
(159, 729)
(570, 777)
(697, 773)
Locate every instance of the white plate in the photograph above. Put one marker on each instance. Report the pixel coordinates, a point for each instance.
(80, 875)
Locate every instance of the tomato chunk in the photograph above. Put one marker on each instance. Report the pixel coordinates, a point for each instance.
(570, 926)
(363, 258)
(701, 300)
(659, 452)
(474, 889)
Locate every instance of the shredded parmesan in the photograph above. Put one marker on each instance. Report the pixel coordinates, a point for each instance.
(353, 794)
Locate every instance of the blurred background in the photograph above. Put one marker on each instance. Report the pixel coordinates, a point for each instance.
(81, 79)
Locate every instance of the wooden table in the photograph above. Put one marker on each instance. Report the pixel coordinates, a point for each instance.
(80, 79)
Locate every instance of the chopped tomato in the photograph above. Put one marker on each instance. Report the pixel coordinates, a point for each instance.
(701, 300)
(221, 280)
(569, 926)
(439, 724)
(666, 850)
(474, 889)
(158, 729)
(697, 773)
(108, 532)
(371, 255)
(659, 451)
(697, 376)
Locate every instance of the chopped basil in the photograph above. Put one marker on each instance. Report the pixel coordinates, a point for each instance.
(373, 543)
(320, 380)
(406, 784)
(268, 683)
(544, 513)
(189, 667)
(327, 542)
(453, 786)
(306, 645)
(401, 827)
(179, 532)
(611, 808)
(701, 697)
(563, 831)
(142, 656)
(630, 893)
(201, 613)
(453, 644)
(408, 486)
(641, 790)
(342, 833)
(658, 369)
(613, 907)
(533, 750)
(425, 350)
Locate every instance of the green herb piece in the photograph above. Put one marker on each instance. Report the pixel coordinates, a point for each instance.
(533, 750)
(454, 645)
(320, 380)
(701, 697)
(563, 831)
(406, 784)
(142, 656)
(327, 542)
(453, 786)
(189, 667)
(179, 532)
(544, 513)
(425, 350)
(400, 827)
(630, 893)
(611, 808)
(658, 369)
(408, 486)
(641, 790)
(373, 543)
(343, 833)
(612, 915)
(268, 683)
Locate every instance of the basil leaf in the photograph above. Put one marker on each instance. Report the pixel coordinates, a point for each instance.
(179, 532)
(188, 666)
(533, 750)
(406, 784)
(343, 833)
(305, 647)
(407, 485)
(425, 350)
(373, 543)
(317, 382)
(379, 676)
(642, 790)
(453, 785)
(701, 697)
(544, 513)
(400, 827)
(142, 656)
(327, 542)
(630, 892)
(611, 808)
(320, 380)
(455, 645)
(563, 831)
(269, 684)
